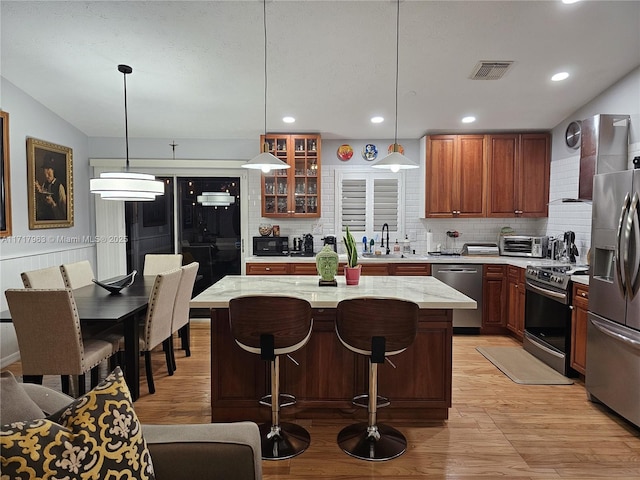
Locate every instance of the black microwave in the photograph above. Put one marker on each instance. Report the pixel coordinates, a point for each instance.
(271, 246)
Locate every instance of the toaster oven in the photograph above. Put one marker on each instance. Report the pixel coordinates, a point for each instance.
(524, 246)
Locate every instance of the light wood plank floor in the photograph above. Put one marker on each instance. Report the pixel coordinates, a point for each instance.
(496, 428)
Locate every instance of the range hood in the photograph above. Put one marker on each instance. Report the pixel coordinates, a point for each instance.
(604, 148)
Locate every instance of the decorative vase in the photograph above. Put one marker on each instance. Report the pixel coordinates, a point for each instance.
(327, 266)
(352, 274)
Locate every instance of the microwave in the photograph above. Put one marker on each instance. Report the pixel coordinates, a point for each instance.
(523, 246)
(271, 246)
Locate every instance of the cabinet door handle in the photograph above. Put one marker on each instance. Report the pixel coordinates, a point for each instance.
(583, 294)
(267, 269)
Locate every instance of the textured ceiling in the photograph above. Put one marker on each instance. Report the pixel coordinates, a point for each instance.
(198, 67)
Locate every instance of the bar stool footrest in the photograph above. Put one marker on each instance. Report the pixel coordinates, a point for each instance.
(285, 400)
(355, 440)
(291, 440)
(363, 401)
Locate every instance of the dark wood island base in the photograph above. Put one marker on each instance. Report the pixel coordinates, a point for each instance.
(329, 376)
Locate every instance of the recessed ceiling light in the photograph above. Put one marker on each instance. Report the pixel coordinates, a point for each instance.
(558, 77)
(288, 119)
(569, 2)
(377, 119)
(469, 119)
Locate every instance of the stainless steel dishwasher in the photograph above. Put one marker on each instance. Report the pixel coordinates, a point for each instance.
(467, 279)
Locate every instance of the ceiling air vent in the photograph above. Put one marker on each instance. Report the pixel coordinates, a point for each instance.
(490, 70)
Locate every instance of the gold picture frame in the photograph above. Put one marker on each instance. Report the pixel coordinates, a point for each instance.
(49, 184)
(5, 179)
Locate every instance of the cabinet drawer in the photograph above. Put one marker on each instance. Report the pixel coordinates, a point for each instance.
(267, 269)
(378, 269)
(581, 295)
(410, 269)
(304, 269)
(494, 271)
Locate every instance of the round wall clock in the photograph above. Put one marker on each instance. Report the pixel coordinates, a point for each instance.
(572, 135)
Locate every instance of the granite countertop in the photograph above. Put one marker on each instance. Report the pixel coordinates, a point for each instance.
(427, 292)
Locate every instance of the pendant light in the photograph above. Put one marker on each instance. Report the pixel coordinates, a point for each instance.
(126, 186)
(396, 161)
(265, 161)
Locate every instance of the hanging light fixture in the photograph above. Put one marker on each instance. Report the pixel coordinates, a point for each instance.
(215, 199)
(265, 161)
(396, 161)
(126, 186)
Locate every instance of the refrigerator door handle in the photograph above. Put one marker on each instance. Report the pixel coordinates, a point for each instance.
(621, 224)
(604, 328)
(633, 284)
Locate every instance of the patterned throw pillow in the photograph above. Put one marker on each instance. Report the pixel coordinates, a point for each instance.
(98, 437)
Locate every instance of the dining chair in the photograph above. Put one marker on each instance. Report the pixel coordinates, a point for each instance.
(49, 277)
(155, 263)
(157, 325)
(50, 337)
(78, 274)
(180, 319)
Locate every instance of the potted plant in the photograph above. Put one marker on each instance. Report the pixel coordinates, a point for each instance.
(352, 269)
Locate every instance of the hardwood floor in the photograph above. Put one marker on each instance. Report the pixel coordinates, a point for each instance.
(496, 428)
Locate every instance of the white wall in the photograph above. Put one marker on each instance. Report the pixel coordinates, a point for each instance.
(622, 98)
(32, 249)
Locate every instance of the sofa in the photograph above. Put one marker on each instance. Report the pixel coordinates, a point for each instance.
(195, 451)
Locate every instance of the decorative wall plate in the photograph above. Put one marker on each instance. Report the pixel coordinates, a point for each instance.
(345, 152)
(400, 149)
(369, 152)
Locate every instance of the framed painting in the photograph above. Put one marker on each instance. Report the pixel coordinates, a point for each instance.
(5, 180)
(49, 184)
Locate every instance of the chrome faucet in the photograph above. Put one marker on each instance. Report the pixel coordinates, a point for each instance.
(386, 225)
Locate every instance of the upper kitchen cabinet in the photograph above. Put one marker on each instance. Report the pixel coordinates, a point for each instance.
(455, 176)
(295, 191)
(518, 180)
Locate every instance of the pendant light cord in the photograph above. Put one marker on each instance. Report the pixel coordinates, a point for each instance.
(395, 138)
(264, 24)
(126, 123)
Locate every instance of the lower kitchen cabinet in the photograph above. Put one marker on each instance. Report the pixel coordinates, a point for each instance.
(579, 327)
(309, 268)
(515, 301)
(268, 268)
(493, 298)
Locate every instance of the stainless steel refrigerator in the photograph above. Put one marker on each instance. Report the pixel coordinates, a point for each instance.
(613, 330)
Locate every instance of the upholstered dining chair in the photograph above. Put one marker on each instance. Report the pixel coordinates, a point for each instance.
(180, 320)
(49, 277)
(157, 326)
(155, 263)
(50, 337)
(77, 274)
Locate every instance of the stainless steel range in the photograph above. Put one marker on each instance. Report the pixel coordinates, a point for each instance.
(547, 320)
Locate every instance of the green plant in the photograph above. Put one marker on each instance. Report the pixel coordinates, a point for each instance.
(351, 247)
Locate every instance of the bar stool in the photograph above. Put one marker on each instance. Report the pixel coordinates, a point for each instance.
(376, 327)
(273, 326)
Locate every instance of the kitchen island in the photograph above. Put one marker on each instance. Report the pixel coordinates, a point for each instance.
(329, 375)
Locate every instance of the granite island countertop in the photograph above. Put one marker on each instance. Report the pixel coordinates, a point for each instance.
(427, 292)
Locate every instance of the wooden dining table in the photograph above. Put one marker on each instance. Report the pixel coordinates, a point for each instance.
(97, 305)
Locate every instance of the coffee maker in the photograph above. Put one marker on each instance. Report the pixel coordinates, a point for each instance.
(307, 244)
(570, 249)
(331, 240)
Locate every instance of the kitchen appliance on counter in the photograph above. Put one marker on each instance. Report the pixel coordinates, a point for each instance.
(270, 246)
(304, 246)
(547, 318)
(467, 279)
(613, 327)
(331, 240)
(555, 248)
(570, 249)
(523, 246)
(480, 248)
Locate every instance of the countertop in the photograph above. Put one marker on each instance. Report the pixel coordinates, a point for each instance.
(427, 292)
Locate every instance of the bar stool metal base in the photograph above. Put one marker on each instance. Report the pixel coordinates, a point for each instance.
(358, 441)
(363, 401)
(282, 442)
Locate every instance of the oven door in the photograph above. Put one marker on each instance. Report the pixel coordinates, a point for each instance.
(547, 325)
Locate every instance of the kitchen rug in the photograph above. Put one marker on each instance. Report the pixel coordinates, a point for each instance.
(522, 367)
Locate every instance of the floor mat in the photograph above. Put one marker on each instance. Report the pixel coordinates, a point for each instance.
(522, 367)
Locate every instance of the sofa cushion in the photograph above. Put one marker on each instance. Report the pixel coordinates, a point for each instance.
(99, 436)
(15, 404)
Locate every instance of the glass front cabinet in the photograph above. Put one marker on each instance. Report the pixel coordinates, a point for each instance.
(295, 191)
